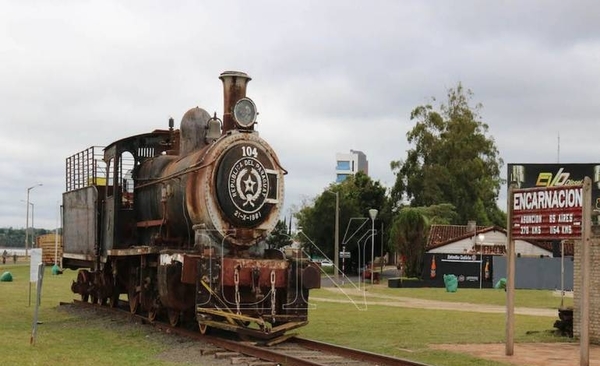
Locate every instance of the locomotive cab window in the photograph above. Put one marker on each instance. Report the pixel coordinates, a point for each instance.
(125, 173)
(109, 177)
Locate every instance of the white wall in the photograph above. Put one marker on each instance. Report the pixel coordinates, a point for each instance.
(492, 238)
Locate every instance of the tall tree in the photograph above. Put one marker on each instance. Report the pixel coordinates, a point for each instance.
(453, 160)
(409, 231)
(443, 214)
(357, 194)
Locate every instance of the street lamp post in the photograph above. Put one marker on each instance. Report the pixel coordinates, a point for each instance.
(373, 215)
(27, 221)
(56, 236)
(364, 255)
(336, 244)
(32, 225)
(480, 237)
(336, 247)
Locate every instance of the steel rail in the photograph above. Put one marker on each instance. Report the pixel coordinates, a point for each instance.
(271, 354)
(355, 354)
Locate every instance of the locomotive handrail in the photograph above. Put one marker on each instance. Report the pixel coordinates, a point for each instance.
(191, 168)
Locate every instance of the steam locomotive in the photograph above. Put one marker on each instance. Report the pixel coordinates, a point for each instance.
(174, 221)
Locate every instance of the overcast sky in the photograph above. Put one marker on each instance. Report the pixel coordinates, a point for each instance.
(328, 76)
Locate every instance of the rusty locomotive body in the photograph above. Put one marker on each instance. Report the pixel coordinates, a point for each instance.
(175, 221)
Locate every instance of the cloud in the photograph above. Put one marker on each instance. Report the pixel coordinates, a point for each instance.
(327, 78)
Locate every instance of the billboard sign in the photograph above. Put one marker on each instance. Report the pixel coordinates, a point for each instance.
(547, 213)
(526, 175)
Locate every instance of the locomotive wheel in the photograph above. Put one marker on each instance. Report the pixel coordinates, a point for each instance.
(173, 316)
(203, 328)
(83, 281)
(154, 309)
(133, 296)
(134, 301)
(113, 300)
(152, 313)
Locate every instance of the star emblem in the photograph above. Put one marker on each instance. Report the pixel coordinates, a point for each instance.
(249, 183)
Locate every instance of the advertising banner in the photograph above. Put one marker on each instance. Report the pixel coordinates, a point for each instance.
(526, 175)
(471, 270)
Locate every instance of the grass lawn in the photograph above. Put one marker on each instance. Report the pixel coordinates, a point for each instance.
(523, 298)
(406, 332)
(63, 339)
(69, 339)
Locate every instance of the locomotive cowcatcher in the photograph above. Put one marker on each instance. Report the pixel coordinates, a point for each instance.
(175, 221)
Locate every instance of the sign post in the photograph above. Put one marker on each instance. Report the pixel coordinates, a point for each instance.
(584, 339)
(510, 283)
(36, 260)
(38, 301)
(344, 254)
(550, 213)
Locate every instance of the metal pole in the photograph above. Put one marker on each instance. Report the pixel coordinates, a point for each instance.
(32, 226)
(359, 264)
(480, 268)
(336, 254)
(56, 237)
(27, 226)
(381, 248)
(364, 261)
(510, 283)
(373, 215)
(343, 264)
(481, 237)
(362, 264)
(584, 336)
(27, 221)
(372, 251)
(562, 274)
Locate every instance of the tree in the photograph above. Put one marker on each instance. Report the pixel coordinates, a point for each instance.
(357, 194)
(279, 237)
(443, 214)
(409, 231)
(453, 161)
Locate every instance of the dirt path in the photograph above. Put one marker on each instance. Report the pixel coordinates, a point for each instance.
(527, 354)
(409, 302)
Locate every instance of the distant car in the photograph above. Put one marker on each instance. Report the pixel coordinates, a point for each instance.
(326, 263)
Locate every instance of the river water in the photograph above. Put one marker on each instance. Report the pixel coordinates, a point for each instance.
(20, 251)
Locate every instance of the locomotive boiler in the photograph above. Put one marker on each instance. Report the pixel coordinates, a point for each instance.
(174, 223)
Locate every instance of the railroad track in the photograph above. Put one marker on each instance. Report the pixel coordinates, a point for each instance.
(295, 351)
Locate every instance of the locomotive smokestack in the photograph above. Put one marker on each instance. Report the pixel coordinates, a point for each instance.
(234, 89)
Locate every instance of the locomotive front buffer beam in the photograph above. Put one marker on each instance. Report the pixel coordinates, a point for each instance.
(256, 298)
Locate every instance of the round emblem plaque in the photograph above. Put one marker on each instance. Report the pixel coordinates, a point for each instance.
(243, 184)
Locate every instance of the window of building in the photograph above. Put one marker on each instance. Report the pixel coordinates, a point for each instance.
(341, 178)
(343, 165)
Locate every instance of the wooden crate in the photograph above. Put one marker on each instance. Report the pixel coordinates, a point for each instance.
(48, 244)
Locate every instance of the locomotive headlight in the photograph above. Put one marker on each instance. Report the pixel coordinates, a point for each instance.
(244, 112)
